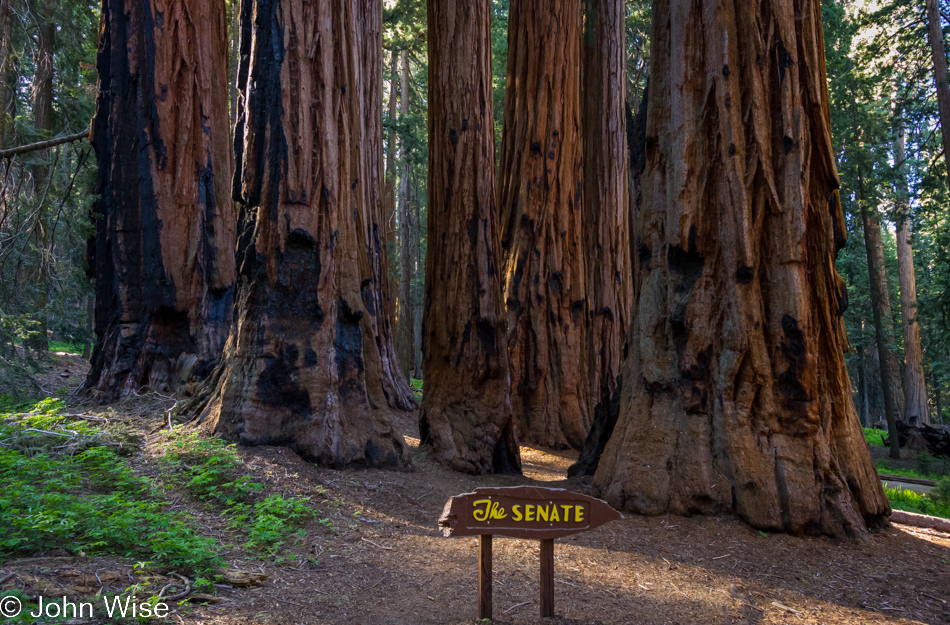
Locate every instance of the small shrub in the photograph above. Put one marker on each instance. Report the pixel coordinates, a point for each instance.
(274, 518)
(211, 467)
(931, 465)
(941, 491)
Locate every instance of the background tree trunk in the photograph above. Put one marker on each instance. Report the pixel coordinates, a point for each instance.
(385, 384)
(466, 413)
(606, 212)
(735, 392)
(863, 385)
(545, 273)
(407, 318)
(417, 286)
(939, 54)
(42, 123)
(306, 365)
(883, 319)
(915, 389)
(389, 192)
(163, 256)
(5, 32)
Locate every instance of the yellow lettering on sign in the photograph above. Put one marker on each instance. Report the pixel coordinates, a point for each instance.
(542, 513)
(529, 513)
(554, 515)
(567, 513)
(491, 510)
(516, 513)
(578, 513)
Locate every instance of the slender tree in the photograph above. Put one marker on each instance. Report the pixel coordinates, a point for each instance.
(5, 66)
(915, 388)
(389, 193)
(43, 123)
(466, 414)
(735, 391)
(407, 316)
(306, 365)
(163, 256)
(606, 213)
(881, 312)
(545, 273)
(941, 81)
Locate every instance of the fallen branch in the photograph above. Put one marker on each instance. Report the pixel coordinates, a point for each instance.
(42, 145)
(7, 577)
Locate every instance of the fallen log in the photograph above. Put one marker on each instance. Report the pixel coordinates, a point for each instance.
(920, 520)
(935, 439)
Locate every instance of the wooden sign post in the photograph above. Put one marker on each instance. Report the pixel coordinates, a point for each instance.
(521, 512)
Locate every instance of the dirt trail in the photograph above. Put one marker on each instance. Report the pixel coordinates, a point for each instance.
(385, 562)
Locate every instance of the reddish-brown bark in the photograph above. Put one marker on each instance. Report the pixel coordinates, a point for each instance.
(540, 196)
(309, 364)
(606, 214)
(466, 414)
(915, 386)
(735, 392)
(406, 338)
(163, 255)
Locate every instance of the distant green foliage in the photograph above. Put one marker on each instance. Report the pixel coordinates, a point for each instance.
(909, 501)
(929, 464)
(63, 346)
(941, 491)
(874, 437)
(883, 466)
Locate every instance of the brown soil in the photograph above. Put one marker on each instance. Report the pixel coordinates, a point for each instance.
(381, 560)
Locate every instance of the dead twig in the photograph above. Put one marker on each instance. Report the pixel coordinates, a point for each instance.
(367, 540)
(7, 578)
(517, 605)
(180, 595)
(786, 608)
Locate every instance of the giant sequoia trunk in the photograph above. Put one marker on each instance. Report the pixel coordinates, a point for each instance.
(915, 388)
(385, 384)
(735, 392)
(545, 273)
(466, 414)
(309, 363)
(606, 213)
(163, 255)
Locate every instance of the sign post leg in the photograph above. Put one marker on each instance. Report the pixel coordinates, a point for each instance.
(547, 577)
(484, 576)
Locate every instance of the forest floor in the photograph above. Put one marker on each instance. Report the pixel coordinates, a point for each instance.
(373, 555)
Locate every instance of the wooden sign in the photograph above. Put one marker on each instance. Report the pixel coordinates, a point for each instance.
(522, 512)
